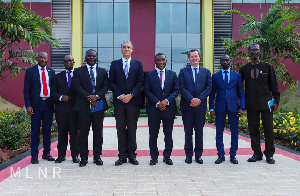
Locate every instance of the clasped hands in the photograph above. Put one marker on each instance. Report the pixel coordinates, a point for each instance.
(195, 102)
(93, 100)
(162, 105)
(126, 98)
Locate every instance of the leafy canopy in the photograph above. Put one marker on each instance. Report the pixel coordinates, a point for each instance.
(18, 23)
(278, 37)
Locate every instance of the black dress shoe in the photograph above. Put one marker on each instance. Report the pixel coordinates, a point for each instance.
(60, 159)
(168, 161)
(199, 160)
(133, 161)
(83, 163)
(270, 160)
(220, 160)
(48, 157)
(34, 160)
(98, 161)
(188, 160)
(254, 158)
(75, 159)
(233, 160)
(153, 161)
(120, 161)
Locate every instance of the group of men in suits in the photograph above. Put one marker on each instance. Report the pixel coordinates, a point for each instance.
(79, 96)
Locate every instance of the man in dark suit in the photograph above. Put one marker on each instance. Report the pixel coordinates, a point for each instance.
(195, 86)
(66, 117)
(39, 105)
(227, 97)
(161, 89)
(126, 77)
(90, 84)
(260, 87)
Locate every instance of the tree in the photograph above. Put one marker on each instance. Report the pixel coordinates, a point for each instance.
(278, 37)
(18, 23)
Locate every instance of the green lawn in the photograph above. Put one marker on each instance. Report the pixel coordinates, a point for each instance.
(290, 99)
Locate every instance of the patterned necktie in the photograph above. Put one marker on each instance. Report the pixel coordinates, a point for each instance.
(44, 81)
(226, 77)
(126, 69)
(92, 79)
(161, 77)
(69, 78)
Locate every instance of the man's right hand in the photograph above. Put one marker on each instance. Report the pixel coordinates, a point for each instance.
(30, 111)
(195, 102)
(65, 98)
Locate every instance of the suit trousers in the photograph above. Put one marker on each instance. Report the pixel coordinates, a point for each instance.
(42, 113)
(85, 119)
(254, 124)
(193, 119)
(154, 126)
(126, 122)
(67, 123)
(234, 129)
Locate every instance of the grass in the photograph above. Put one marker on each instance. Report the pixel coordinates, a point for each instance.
(290, 99)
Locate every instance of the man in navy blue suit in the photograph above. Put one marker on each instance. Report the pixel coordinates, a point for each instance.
(39, 105)
(66, 117)
(126, 78)
(161, 89)
(195, 86)
(226, 98)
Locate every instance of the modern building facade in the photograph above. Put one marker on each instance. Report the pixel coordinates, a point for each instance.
(168, 26)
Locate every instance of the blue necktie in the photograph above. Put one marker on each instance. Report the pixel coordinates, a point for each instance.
(92, 79)
(126, 69)
(196, 78)
(226, 77)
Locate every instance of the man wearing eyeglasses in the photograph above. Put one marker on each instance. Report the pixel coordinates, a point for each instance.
(260, 87)
(65, 115)
(226, 98)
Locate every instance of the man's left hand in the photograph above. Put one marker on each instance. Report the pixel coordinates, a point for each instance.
(240, 112)
(275, 107)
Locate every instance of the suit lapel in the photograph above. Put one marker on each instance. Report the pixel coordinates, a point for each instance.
(189, 70)
(156, 78)
(131, 68)
(167, 75)
(64, 78)
(87, 75)
(37, 75)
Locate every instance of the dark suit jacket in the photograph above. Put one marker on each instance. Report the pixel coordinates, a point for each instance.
(133, 84)
(81, 83)
(155, 93)
(187, 87)
(60, 88)
(222, 94)
(32, 85)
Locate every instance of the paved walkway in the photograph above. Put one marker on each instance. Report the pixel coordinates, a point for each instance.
(67, 178)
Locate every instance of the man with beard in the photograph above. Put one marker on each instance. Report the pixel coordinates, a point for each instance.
(226, 98)
(260, 87)
(161, 89)
(90, 84)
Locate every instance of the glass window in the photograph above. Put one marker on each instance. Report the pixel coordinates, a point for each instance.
(105, 26)
(178, 29)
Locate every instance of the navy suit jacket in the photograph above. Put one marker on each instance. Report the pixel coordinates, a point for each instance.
(81, 83)
(187, 87)
(59, 88)
(133, 84)
(32, 85)
(155, 93)
(230, 95)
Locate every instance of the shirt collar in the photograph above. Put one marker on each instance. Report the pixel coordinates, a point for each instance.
(41, 67)
(226, 70)
(158, 70)
(123, 60)
(195, 67)
(71, 70)
(89, 67)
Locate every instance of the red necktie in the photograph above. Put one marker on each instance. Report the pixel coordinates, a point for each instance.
(161, 77)
(44, 81)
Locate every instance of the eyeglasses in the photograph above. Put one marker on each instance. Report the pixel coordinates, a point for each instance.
(254, 50)
(65, 61)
